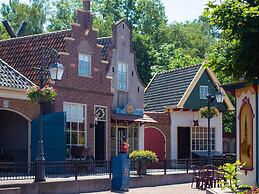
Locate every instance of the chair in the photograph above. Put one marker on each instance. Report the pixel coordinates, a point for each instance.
(210, 174)
(219, 175)
(204, 179)
(196, 176)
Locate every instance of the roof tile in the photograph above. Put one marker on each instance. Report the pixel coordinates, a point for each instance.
(167, 88)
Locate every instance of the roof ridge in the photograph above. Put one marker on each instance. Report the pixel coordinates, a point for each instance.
(35, 35)
(180, 68)
(3, 62)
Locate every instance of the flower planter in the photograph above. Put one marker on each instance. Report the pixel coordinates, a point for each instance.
(142, 167)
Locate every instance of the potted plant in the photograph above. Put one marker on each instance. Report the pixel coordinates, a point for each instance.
(209, 113)
(46, 94)
(230, 176)
(141, 157)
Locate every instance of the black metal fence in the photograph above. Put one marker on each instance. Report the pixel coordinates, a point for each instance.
(76, 168)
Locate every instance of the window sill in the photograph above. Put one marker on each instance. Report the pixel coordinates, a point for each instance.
(86, 76)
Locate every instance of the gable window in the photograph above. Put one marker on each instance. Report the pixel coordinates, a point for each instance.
(200, 138)
(84, 65)
(75, 127)
(204, 90)
(122, 77)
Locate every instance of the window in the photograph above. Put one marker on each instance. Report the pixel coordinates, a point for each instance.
(84, 67)
(122, 77)
(75, 126)
(133, 136)
(200, 138)
(204, 92)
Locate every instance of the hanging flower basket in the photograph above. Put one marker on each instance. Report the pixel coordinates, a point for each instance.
(209, 113)
(46, 94)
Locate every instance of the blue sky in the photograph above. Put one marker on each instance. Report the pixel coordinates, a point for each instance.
(183, 10)
(176, 10)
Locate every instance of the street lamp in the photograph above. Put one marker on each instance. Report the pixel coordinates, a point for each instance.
(219, 96)
(56, 71)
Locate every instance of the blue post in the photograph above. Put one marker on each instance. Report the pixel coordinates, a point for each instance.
(121, 172)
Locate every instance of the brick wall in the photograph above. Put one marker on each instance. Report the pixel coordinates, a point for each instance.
(29, 109)
(94, 90)
(164, 123)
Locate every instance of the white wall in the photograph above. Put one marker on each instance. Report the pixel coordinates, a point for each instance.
(185, 119)
(251, 176)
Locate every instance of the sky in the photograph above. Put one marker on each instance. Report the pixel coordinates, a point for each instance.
(176, 10)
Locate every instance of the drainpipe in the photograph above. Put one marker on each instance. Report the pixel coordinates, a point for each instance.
(257, 133)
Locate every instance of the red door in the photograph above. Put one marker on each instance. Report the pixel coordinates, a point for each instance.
(155, 141)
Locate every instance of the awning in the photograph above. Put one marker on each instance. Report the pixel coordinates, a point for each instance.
(133, 118)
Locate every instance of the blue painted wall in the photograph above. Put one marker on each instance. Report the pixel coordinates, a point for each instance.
(54, 137)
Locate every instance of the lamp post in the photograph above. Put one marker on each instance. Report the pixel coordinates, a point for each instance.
(56, 71)
(210, 98)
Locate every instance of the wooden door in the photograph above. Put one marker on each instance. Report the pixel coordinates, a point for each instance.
(155, 141)
(184, 142)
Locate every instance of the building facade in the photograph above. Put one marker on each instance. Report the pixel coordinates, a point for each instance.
(247, 122)
(84, 93)
(180, 94)
(128, 101)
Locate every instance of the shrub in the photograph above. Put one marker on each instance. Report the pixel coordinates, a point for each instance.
(138, 155)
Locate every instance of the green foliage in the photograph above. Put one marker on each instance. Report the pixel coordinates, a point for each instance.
(236, 51)
(230, 173)
(64, 14)
(34, 14)
(46, 94)
(209, 113)
(147, 155)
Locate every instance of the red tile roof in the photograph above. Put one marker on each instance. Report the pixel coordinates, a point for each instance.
(23, 53)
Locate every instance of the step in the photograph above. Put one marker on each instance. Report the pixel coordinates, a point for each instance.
(14, 190)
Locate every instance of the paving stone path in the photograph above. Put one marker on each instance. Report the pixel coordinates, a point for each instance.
(168, 189)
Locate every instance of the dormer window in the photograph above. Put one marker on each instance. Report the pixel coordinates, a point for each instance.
(122, 77)
(84, 65)
(204, 91)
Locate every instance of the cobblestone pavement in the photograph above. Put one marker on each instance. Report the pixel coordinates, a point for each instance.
(168, 189)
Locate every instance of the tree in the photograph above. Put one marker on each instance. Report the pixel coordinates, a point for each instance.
(34, 14)
(63, 14)
(185, 44)
(236, 52)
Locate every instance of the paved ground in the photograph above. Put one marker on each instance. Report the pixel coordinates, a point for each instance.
(168, 189)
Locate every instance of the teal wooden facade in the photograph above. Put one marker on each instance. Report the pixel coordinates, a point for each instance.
(194, 102)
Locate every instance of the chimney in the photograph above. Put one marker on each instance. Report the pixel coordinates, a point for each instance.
(9, 29)
(87, 5)
(84, 18)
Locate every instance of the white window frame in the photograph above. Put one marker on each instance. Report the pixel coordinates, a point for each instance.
(201, 137)
(85, 125)
(204, 91)
(123, 72)
(84, 65)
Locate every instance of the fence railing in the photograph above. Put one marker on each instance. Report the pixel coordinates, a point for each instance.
(76, 168)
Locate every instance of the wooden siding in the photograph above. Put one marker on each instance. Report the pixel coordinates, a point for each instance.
(194, 101)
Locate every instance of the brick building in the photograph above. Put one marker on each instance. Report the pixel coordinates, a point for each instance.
(85, 89)
(16, 114)
(100, 88)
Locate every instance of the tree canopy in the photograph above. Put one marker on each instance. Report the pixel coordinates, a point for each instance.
(16, 12)
(236, 52)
